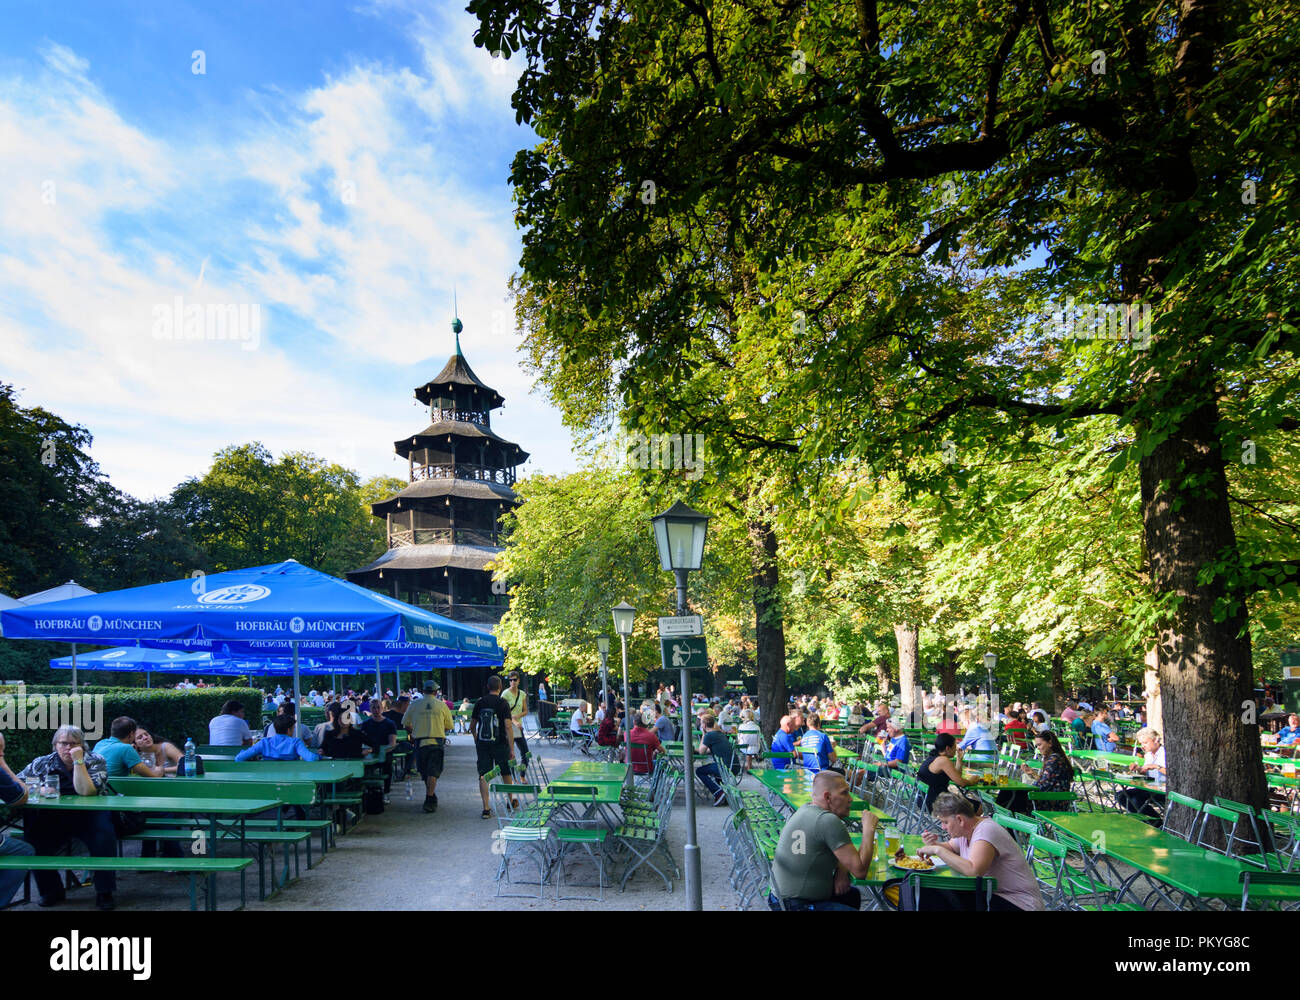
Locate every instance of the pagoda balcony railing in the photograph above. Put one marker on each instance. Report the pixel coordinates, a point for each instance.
(462, 470)
(486, 613)
(469, 416)
(444, 536)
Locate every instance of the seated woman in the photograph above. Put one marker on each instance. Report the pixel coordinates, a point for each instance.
(941, 768)
(1056, 774)
(344, 741)
(607, 734)
(164, 753)
(977, 847)
(47, 830)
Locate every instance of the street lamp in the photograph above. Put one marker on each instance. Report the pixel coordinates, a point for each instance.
(602, 644)
(624, 614)
(679, 536)
(1113, 681)
(990, 665)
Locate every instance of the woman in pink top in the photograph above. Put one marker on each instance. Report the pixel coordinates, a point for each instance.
(980, 847)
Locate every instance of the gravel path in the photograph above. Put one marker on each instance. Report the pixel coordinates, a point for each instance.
(416, 861)
(406, 859)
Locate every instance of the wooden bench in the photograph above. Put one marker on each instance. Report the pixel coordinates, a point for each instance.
(324, 827)
(300, 793)
(260, 840)
(194, 867)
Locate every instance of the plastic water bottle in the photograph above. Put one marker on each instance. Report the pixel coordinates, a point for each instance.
(191, 770)
(408, 791)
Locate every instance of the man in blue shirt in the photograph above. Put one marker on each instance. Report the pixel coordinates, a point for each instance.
(818, 750)
(281, 746)
(1288, 733)
(120, 754)
(1103, 736)
(783, 741)
(898, 750)
(977, 737)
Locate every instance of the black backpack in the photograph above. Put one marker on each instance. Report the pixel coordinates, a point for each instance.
(372, 800)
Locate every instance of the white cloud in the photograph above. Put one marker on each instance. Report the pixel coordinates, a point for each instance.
(260, 198)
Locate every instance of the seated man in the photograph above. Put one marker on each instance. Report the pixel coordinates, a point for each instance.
(281, 746)
(977, 736)
(715, 743)
(643, 745)
(229, 728)
(664, 728)
(1104, 737)
(815, 856)
(783, 741)
(119, 752)
(577, 733)
(898, 749)
(13, 794)
(818, 750)
(47, 830)
(1288, 734)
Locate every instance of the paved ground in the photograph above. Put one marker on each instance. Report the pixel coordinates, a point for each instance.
(406, 859)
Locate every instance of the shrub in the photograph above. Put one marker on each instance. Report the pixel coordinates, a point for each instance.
(168, 714)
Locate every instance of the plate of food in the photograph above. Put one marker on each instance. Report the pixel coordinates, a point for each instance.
(912, 863)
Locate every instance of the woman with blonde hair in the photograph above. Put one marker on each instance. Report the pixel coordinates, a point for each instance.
(748, 734)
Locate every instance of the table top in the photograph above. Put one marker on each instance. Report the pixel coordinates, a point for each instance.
(593, 772)
(152, 803)
(301, 770)
(279, 776)
(794, 787)
(1113, 758)
(1193, 870)
(607, 792)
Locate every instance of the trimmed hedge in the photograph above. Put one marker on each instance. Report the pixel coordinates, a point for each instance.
(168, 715)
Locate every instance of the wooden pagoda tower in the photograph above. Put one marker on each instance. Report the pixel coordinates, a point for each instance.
(442, 528)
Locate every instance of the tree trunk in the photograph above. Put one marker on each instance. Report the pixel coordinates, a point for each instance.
(1058, 684)
(1155, 715)
(769, 628)
(882, 679)
(948, 672)
(909, 669)
(1205, 674)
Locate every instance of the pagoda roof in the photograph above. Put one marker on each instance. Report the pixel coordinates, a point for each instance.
(454, 428)
(457, 372)
(473, 489)
(431, 555)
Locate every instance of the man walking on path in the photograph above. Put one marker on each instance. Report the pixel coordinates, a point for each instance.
(427, 721)
(490, 726)
(517, 701)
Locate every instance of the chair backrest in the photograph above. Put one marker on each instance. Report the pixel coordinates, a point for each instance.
(1025, 827)
(1250, 877)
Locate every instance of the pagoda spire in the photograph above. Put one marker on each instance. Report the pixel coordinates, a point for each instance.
(456, 324)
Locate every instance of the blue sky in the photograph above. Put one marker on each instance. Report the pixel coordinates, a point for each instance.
(335, 170)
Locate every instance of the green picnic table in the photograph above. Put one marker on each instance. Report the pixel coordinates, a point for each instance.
(287, 770)
(794, 788)
(223, 815)
(1100, 755)
(1163, 859)
(592, 771)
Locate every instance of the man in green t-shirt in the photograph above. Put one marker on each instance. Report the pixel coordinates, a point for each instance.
(815, 856)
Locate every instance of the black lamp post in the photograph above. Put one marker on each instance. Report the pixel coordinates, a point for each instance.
(679, 536)
(624, 615)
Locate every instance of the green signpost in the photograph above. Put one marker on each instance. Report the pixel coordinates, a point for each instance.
(685, 652)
